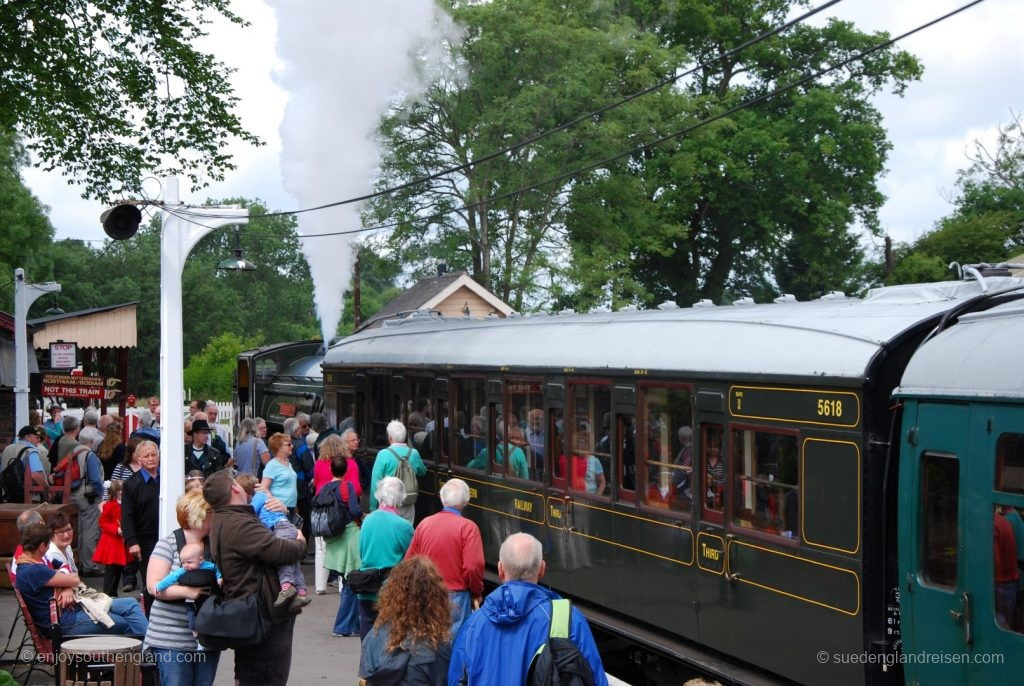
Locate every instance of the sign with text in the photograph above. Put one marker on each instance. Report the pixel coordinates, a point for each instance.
(85, 387)
(63, 355)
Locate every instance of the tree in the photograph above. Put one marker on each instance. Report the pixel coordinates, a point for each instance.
(211, 372)
(987, 222)
(112, 91)
(762, 201)
(25, 230)
(528, 66)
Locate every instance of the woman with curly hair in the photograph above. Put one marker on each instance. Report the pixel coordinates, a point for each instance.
(410, 643)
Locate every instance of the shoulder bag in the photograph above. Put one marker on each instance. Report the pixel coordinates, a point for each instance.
(235, 623)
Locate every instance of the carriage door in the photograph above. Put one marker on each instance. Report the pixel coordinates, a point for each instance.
(936, 608)
(710, 499)
(995, 548)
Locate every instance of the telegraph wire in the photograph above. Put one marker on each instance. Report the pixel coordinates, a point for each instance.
(760, 38)
(647, 146)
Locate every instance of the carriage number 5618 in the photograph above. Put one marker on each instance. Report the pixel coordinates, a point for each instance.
(830, 408)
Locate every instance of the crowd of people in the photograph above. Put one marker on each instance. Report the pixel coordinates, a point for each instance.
(244, 525)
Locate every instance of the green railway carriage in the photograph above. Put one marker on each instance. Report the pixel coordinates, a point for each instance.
(717, 485)
(962, 464)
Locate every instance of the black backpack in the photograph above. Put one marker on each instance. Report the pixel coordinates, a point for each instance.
(558, 662)
(12, 479)
(328, 517)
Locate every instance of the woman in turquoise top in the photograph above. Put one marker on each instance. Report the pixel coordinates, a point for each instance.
(383, 540)
(278, 475)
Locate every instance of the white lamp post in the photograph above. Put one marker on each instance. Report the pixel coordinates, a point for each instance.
(24, 295)
(178, 235)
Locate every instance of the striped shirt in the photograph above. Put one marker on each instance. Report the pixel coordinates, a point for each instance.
(168, 621)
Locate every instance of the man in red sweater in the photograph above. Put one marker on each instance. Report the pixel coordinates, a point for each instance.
(453, 543)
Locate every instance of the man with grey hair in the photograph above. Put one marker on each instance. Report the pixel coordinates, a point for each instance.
(85, 491)
(453, 543)
(497, 645)
(219, 430)
(386, 464)
(90, 434)
(22, 522)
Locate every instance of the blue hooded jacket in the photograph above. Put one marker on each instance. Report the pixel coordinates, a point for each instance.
(497, 642)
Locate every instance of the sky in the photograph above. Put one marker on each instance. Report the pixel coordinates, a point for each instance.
(973, 71)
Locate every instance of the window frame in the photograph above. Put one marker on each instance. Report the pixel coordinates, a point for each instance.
(570, 433)
(641, 448)
(732, 477)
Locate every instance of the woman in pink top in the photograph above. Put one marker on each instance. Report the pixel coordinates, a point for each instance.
(346, 446)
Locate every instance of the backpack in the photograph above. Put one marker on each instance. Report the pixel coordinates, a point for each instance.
(70, 468)
(407, 475)
(328, 517)
(558, 662)
(12, 479)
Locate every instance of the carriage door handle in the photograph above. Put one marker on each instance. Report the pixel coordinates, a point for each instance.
(729, 576)
(963, 617)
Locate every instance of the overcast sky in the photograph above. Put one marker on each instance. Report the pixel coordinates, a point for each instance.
(974, 71)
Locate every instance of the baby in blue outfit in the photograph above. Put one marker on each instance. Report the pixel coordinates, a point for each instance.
(192, 559)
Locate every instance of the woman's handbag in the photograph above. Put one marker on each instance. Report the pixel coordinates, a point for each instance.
(367, 580)
(224, 623)
(237, 623)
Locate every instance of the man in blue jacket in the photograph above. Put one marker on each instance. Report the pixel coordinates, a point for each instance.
(497, 643)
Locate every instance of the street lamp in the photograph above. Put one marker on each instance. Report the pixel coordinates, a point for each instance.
(237, 263)
(178, 235)
(24, 295)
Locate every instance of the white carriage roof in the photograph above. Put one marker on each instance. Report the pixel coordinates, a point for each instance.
(978, 357)
(831, 337)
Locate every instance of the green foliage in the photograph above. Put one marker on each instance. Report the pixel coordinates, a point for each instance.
(112, 91)
(210, 373)
(528, 66)
(377, 289)
(987, 222)
(25, 226)
(761, 201)
(764, 200)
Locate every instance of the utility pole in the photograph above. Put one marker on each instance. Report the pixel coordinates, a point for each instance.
(24, 295)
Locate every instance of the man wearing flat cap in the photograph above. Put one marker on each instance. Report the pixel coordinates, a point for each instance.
(199, 454)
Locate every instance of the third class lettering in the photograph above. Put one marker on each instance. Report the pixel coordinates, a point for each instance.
(709, 552)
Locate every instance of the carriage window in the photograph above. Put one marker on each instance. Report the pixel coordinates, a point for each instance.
(1007, 528)
(380, 413)
(668, 448)
(522, 426)
(766, 468)
(940, 500)
(1010, 463)
(713, 482)
(346, 418)
(589, 449)
(470, 427)
(627, 452)
(420, 413)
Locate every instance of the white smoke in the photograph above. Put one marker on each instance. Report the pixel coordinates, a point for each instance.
(345, 62)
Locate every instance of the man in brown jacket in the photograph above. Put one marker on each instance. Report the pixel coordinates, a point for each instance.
(248, 555)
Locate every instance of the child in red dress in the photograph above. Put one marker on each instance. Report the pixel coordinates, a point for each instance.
(110, 550)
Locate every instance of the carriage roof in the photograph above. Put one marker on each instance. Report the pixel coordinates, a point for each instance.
(978, 357)
(831, 337)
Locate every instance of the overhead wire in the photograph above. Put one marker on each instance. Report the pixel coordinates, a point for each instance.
(760, 38)
(658, 141)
